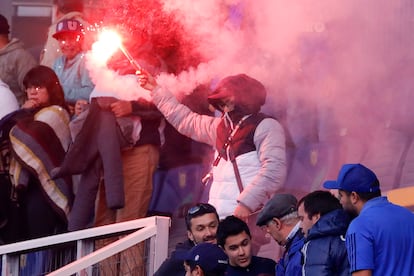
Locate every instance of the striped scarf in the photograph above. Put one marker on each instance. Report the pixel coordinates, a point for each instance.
(38, 145)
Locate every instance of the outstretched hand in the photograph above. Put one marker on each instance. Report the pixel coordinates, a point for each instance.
(146, 80)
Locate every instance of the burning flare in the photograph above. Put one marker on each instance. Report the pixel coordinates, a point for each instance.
(109, 41)
(107, 44)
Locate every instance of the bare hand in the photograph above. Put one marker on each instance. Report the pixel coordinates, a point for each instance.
(121, 108)
(242, 212)
(80, 106)
(146, 80)
(30, 104)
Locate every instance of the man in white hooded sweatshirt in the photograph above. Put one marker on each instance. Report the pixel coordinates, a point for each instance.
(251, 157)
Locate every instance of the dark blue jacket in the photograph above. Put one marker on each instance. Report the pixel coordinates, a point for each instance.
(291, 263)
(174, 265)
(324, 252)
(258, 266)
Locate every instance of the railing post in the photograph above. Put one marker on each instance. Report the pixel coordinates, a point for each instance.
(83, 248)
(159, 244)
(10, 265)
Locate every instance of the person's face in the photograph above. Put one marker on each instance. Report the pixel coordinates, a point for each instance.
(225, 105)
(347, 202)
(228, 105)
(273, 228)
(306, 222)
(239, 249)
(70, 45)
(203, 228)
(38, 94)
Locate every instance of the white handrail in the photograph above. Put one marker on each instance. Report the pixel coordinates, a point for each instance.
(154, 228)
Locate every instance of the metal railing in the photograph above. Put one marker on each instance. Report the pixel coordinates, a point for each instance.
(154, 230)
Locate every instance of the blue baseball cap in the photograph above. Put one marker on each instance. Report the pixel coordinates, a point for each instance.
(210, 257)
(354, 178)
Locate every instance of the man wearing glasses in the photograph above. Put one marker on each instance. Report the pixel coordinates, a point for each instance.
(201, 221)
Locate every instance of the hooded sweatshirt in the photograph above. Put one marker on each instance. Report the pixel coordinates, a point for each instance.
(8, 101)
(258, 146)
(15, 62)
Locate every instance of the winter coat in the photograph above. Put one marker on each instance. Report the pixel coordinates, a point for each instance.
(8, 102)
(174, 265)
(324, 252)
(261, 160)
(15, 62)
(291, 263)
(258, 266)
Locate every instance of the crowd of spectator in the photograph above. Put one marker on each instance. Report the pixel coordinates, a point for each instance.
(75, 157)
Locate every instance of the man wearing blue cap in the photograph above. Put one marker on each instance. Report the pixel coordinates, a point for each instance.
(380, 240)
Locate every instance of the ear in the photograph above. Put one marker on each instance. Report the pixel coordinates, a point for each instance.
(316, 217)
(190, 236)
(198, 271)
(354, 198)
(277, 223)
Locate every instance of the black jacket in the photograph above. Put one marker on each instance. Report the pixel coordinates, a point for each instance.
(174, 265)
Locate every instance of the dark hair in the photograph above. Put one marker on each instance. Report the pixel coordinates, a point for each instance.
(45, 77)
(370, 195)
(4, 26)
(319, 202)
(198, 210)
(67, 6)
(230, 226)
(193, 265)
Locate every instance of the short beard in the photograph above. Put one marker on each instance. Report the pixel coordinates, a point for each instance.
(352, 213)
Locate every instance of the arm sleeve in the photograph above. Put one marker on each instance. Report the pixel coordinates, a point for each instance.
(360, 247)
(201, 128)
(269, 139)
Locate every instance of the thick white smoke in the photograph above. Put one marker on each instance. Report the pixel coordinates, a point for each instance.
(338, 74)
(337, 71)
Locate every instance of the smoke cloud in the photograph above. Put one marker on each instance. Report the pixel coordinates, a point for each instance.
(338, 74)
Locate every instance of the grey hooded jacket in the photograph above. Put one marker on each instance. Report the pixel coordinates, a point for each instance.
(15, 62)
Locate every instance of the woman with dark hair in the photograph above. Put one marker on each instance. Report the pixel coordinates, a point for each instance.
(38, 136)
(42, 88)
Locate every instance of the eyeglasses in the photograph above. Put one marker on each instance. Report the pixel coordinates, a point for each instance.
(35, 87)
(207, 208)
